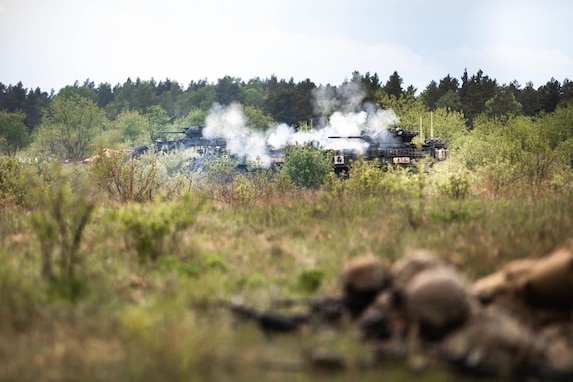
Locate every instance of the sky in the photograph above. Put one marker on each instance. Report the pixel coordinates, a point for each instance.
(54, 43)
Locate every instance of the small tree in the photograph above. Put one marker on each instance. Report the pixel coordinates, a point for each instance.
(503, 103)
(257, 118)
(70, 127)
(59, 220)
(307, 165)
(157, 119)
(134, 127)
(13, 132)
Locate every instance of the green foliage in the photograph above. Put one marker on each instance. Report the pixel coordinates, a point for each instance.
(459, 213)
(261, 184)
(200, 95)
(457, 186)
(256, 118)
(218, 177)
(223, 181)
(228, 90)
(86, 91)
(393, 86)
(153, 231)
(307, 166)
(125, 180)
(13, 133)
(564, 153)
(195, 117)
(59, 220)
(13, 188)
(407, 108)
(537, 158)
(562, 182)
(557, 126)
(503, 103)
(252, 94)
(157, 120)
(449, 101)
(185, 267)
(521, 146)
(366, 179)
(243, 188)
(18, 292)
(499, 178)
(149, 315)
(474, 93)
(70, 128)
(290, 102)
(110, 137)
(447, 124)
(173, 175)
(310, 280)
(134, 127)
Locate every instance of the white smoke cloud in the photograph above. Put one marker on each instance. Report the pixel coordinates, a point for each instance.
(332, 132)
(346, 98)
(280, 135)
(230, 123)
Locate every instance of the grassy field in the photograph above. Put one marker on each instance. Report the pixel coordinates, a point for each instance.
(94, 287)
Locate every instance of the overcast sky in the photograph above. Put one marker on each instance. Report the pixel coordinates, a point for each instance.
(53, 43)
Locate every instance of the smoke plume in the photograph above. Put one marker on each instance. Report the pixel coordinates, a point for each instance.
(341, 114)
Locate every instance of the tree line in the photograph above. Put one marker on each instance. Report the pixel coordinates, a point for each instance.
(138, 110)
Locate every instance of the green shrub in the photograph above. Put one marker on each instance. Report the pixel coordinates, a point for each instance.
(457, 186)
(59, 221)
(562, 182)
(12, 184)
(334, 185)
(219, 174)
(185, 267)
(222, 180)
(126, 180)
(153, 230)
(307, 165)
(365, 179)
(309, 280)
(499, 178)
(261, 184)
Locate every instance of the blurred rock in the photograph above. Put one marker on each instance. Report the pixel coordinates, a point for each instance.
(437, 299)
(362, 279)
(494, 343)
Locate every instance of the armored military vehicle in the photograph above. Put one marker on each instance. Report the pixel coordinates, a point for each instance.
(392, 146)
(192, 138)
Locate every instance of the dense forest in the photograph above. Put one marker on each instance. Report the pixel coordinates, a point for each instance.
(132, 113)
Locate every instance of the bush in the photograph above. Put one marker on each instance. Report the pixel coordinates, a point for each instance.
(126, 180)
(365, 178)
(499, 178)
(309, 280)
(12, 185)
(307, 165)
(153, 230)
(261, 185)
(457, 186)
(218, 177)
(59, 220)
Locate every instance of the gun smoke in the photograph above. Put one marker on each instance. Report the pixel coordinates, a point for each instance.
(340, 117)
